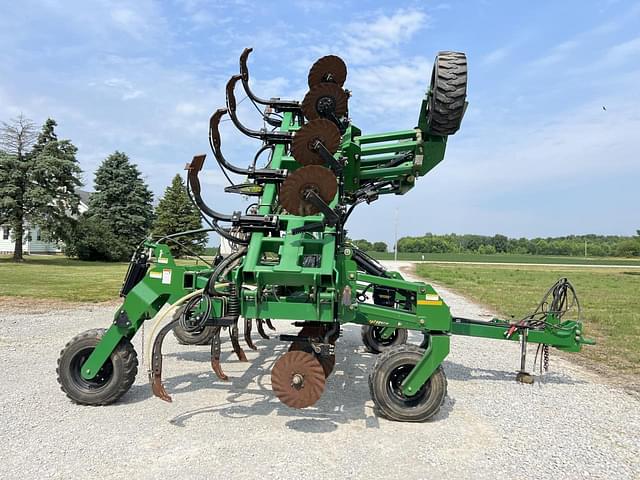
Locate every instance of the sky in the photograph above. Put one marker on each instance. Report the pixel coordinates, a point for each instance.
(548, 146)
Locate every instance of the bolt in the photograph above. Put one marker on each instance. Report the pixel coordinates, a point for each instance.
(297, 381)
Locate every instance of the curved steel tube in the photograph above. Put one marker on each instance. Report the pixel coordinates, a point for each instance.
(215, 141)
(231, 109)
(260, 134)
(273, 102)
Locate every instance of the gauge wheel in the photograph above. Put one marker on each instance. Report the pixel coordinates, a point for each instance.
(447, 93)
(385, 384)
(201, 336)
(374, 343)
(113, 379)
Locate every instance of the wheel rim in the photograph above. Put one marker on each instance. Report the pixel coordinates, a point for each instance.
(101, 379)
(394, 387)
(376, 333)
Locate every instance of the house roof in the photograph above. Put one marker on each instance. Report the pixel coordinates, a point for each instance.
(84, 196)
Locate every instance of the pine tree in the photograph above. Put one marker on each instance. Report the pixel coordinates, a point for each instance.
(38, 178)
(122, 203)
(175, 213)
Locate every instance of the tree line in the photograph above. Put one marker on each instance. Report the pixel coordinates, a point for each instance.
(39, 178)
(571, 245)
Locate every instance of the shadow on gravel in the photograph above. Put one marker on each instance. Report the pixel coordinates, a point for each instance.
(457, 371)
(345, 400)
(346, 397)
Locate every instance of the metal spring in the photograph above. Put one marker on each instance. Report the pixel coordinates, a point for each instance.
(233, 304)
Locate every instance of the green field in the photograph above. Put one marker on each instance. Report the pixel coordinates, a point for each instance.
(509, 258)
(610, 300)
(58, 277)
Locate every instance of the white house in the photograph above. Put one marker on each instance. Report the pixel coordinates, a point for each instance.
(31, 241)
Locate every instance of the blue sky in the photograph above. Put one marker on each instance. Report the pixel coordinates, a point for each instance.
(537, 154)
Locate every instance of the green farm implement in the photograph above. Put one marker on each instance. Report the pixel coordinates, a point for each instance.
(288, 259)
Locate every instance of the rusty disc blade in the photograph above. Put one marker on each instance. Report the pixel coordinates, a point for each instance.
(312, 177)
(328, 69)
(327, 361)
(303, 146)
(323, 100)
(297, 379)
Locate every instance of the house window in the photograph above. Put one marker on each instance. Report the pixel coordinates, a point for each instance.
(5, 233)
(38, 238)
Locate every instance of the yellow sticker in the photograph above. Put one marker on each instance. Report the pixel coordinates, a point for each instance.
(155, 274)
(429, 302)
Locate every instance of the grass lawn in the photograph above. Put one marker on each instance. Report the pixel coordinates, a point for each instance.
(610, 300)
(49, 276)
(54, 276)
(509, 258)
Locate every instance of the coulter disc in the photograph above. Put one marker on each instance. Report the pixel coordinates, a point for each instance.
(322, 130)
(328, 69)
(312, 177)
(297, 379)
(325, 100)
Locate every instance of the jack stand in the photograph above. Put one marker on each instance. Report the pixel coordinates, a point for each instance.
(523, 376)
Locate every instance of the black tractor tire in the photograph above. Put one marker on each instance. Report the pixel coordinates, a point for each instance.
(199, 337)
(447, 93)
(374, 343)
(112, 381)
(386, 376)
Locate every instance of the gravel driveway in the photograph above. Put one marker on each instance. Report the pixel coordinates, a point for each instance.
(569, 424)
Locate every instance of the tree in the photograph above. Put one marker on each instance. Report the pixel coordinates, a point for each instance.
(628, 248)
(38, 179)
(379, 247)
(121, 201)
(175, 213)
(363, 244)
(93, 239)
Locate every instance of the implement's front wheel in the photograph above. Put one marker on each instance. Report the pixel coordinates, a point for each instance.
(375, 343)
(112, 381)
(385, 384)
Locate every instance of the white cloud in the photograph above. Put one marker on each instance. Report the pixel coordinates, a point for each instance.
(582, 143)
(390, 90)
(496, 55)
(623, 52)
(370, 41)
(557, 54)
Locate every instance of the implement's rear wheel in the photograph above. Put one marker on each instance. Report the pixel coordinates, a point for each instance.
(112, 381)
(375, 343)
(385, 384)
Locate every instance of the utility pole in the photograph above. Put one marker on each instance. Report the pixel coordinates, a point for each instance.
(395, 243)
(585, 247)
